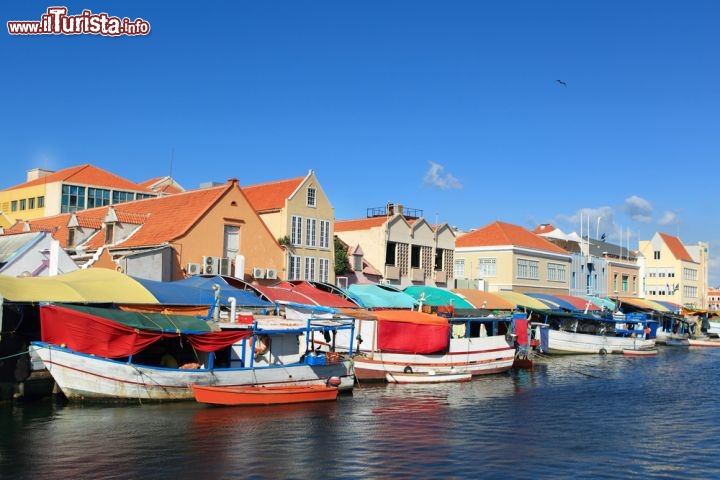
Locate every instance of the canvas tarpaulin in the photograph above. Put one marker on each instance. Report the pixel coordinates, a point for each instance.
(115, 333)
(408, 331)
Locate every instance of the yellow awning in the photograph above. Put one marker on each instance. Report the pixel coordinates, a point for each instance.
(94, 285)
(643, 303)
(522, 300)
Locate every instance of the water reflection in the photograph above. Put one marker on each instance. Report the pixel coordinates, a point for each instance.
(568, 417)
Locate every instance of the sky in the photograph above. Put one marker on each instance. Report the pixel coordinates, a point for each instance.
(525, 112)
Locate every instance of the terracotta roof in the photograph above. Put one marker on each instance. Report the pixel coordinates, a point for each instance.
(85, 175)
(156, 185)
(271, 196)
(20, 227)
(501, 233)
(676, 247)
(359, 224)
(167, 218)
(544, 228)
(163, 219)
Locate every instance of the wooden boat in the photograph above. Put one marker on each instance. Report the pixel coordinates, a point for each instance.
(428, 377)
(263, 394)
(703, 342)
(101, 354)
(571, 333)
(397, 340)
(640, 352)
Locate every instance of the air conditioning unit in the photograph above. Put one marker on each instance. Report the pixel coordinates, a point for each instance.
(224, 266)
(194, 269)
(271, 274)
(258, 272)
(210, 265)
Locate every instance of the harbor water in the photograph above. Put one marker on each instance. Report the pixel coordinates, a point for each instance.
(569, 417)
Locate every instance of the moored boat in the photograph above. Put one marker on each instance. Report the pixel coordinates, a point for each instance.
(572, 333)
(263, 395)
(428, 377)
(639, 352)
(397, 341)
(703, 341)
(102, 354)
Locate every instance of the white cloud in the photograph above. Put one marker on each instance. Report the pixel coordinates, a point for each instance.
(434, 178)
(638, 209)
(669, 218)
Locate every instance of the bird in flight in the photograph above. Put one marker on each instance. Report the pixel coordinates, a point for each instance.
(561, 83)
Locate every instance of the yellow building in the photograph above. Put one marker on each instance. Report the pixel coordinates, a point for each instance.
(299, 215)
(47, 193)
(671, 274)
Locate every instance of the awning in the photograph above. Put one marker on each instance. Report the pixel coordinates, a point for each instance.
(601, 302)
(380, 296)
(437, 297)
(522, 300)
(92, 285)
(642, 303)
(558, 302)
(580, 304)
(199, 291)
(487, 300)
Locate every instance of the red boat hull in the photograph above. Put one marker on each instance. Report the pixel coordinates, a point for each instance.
(263, 395)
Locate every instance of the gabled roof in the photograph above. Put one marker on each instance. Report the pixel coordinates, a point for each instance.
(163, 219)
(676, 247)
(85, 175)
(501, 233)
(164, 184)
(272, 195)
(359, 224)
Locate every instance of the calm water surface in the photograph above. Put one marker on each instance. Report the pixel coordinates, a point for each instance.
(570, 417)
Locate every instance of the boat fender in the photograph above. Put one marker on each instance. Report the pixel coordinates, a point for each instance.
(408, 369)
(603, 351)
(262, 344)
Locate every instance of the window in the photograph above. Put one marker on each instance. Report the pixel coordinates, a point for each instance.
(109, 233)
(486, 268)
(97, 197)
(415, 256)
(656, 254)
(528, 269)
(439, 252)
(690, 274)
(459, 268)
(141, 196)
(13, 206)
(41, 202)
(357, 262)
(31, 203)
(231, 241)
(324, 270)
(390, 253)
(294, 267)
(23, 204)
(556, 272)
(615, 282)
(324, 234)
(311, 197)
(310, 225)
(310, 269)
(71, 236)
(296, 230)
(625, 283)
(121, 197)
(73, 199)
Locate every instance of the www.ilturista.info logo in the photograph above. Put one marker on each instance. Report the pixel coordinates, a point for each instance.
(57, 22)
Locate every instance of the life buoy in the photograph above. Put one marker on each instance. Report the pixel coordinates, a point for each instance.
(407, 369)
(262, 344)
(603, 351)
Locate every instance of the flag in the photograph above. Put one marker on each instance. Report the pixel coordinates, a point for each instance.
(602, 237)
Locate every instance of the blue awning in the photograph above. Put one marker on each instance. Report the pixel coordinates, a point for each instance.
(198, 290)
(558, 302)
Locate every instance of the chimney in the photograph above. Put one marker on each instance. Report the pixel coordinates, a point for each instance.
(36, 173)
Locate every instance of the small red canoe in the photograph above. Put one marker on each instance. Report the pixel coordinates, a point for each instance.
(263, 395)
(649, 352)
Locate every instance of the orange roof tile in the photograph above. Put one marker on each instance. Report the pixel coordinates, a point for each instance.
(272, 195)
(676, 247)
(544, 228)
(155, 185)
(359, 224)
(84, 175)
(167, 218)
(501, 233)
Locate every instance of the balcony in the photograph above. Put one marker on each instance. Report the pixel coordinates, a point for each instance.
(392, 272)
(417, 274)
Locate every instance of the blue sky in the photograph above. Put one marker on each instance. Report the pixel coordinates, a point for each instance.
(452, 108)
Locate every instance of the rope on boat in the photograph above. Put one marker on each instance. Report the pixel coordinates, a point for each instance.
(26, 352)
